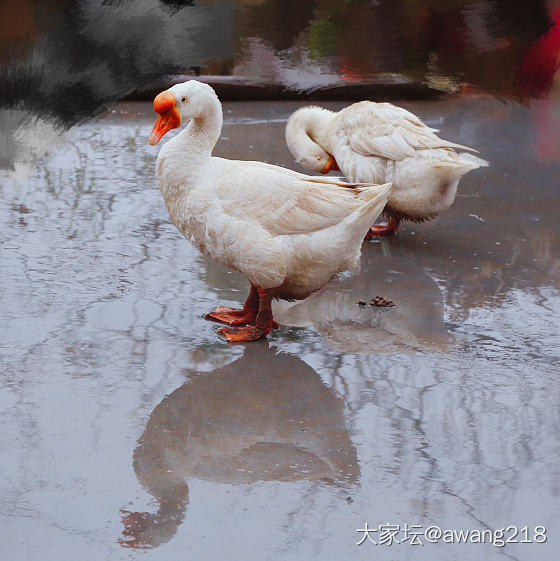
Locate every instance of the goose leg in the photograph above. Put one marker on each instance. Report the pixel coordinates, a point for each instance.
(234, 316)
(263, 322)
(384, 229)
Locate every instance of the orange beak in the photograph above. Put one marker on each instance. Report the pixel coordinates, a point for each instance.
(168, 116)
(330, 165)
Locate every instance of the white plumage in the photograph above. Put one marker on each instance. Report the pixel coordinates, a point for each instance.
(380, 142)
(287, 232)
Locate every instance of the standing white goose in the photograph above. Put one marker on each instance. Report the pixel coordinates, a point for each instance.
(287, 232)
(380, 142)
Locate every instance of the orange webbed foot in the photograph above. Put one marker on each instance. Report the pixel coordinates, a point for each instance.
(383, 229)
(245, 333)
(231, 316)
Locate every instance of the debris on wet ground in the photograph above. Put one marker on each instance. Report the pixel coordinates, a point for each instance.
(380, 302)
(377, 302)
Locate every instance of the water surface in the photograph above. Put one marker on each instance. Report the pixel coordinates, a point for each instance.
(127, 424)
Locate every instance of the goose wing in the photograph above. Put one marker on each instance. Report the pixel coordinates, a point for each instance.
(386, 131)
(286, 202)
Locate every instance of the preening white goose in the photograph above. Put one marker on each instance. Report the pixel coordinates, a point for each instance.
(287, 232)
(380, 142)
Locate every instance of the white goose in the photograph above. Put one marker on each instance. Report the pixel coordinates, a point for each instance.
(380, 142)
(287, 232)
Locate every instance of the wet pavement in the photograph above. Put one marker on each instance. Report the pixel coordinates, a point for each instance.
(128, 425)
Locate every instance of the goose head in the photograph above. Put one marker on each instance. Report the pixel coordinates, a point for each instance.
(304, 129)
(180, 103)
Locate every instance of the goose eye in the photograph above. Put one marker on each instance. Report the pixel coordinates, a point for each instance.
(183, 99)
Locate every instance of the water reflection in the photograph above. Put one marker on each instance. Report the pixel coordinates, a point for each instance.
(500, 237)
(415, 322)
(452, 413)
(267, 416)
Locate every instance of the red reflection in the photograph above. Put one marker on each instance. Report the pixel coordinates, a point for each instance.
(540, 63)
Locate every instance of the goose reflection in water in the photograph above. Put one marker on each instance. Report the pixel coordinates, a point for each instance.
(415, 322)
(267, 416)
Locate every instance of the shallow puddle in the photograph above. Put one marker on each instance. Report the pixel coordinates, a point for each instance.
(128, 424)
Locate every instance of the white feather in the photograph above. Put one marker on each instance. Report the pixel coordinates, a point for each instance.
(284, 230)
(380, 142)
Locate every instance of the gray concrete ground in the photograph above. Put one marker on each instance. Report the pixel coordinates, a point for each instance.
(127, 424)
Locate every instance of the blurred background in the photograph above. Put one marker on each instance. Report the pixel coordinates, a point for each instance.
(69, 59)
(66, 61)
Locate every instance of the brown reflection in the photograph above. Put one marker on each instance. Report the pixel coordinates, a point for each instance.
(267, 416)
(415, 322)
